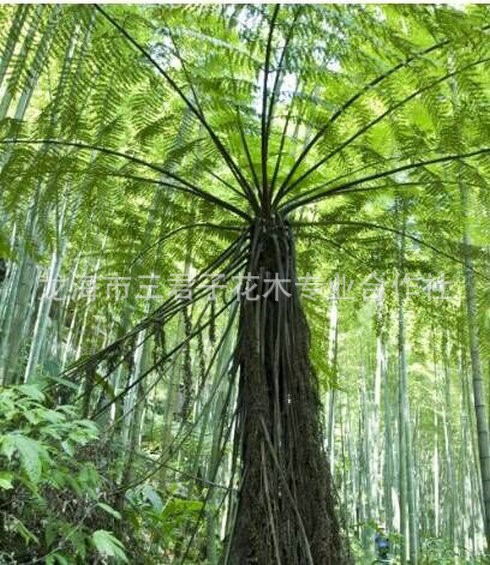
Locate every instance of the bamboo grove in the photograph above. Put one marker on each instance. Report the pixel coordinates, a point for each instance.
(244, 308)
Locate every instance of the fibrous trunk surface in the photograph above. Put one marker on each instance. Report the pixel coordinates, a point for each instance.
(286, 509)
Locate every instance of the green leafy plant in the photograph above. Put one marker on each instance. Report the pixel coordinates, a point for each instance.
(51, 494)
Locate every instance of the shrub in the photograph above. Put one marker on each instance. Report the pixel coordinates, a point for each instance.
(53, 501)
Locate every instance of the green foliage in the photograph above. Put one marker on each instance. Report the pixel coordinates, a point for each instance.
(437, 551)
(108, 545)
(164, 520)
(50, 490)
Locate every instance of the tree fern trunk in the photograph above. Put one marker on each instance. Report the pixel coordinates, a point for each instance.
(286, 507)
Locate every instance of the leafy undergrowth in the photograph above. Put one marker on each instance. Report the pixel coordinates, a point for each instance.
(60, 501)
(54, 506)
